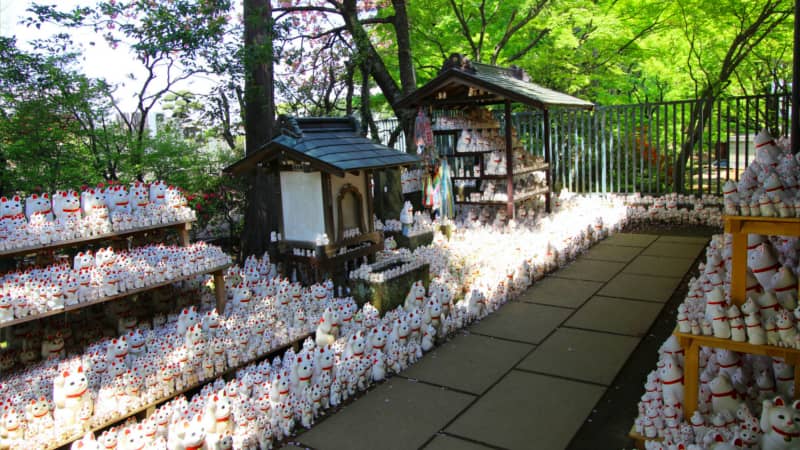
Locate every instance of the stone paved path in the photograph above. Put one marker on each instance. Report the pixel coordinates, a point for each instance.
(529, 375)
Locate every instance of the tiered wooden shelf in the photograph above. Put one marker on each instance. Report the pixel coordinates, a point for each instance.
(182, 228)
(739, 227)
(476, 159)
(691, 345)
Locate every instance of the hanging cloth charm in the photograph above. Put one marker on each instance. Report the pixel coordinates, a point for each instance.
(423, 133)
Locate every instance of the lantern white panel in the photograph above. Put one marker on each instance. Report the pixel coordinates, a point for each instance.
(303, 211)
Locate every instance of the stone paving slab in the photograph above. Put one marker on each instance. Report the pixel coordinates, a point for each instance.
(631, 239)
(523, 322)
(468, 362)
(684, 239)
(398, 415)
(560, 292)
(674, 249)
(615, 315)
(660, 266)
(526, 411)
(293, 446)
(609, 252)
(587, 269)
(583, 355)
(445, 442)
(641, 287)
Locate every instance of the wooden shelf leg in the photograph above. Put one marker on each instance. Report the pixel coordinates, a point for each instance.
(739, 269)
(691, 377)
(796, 380)
(183, 235)
(219, 291)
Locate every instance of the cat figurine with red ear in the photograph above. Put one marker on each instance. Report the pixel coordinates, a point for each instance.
(116, 199)
(10, 207)
(12, 427)
(780, 422)
(157, 192)
(763, 264)
(70, 395)
(92, 202)
(38, 416)
(66, 206)
(38, 204)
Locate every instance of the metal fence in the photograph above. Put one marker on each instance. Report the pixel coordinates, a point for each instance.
(634, 148)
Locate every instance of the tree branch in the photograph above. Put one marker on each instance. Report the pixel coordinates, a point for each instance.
(459, 12)
(524, 51)
(512, 28)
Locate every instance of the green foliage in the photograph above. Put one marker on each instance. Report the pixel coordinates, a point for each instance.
(610, 52)
(42, 101)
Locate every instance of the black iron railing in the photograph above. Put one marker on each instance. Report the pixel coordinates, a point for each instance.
(636, 148)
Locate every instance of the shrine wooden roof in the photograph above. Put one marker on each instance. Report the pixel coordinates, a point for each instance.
(328, 144)
(461, 82)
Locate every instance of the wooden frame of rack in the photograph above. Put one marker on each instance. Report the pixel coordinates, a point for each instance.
(182, 228)
(462, 83)
(739, 227)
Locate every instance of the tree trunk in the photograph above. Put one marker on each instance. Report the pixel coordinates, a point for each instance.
(260, 217)
(408, 76)
(697, 122)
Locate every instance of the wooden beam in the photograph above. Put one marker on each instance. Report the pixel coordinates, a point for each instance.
(509, 163)
(370, 221)
(547, 160)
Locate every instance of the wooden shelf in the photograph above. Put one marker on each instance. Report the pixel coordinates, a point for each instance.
(510, 144)
(149, 406)
(183, 226)
(523, 171)
(477, 153)
(217, 271)
(762, 225)
(691, 345)
(740, 227)
(461, 128)
(517, 199)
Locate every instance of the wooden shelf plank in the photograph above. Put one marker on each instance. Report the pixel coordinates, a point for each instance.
(691, 345)
(213, 270)
(739, 227)
(789, 354)
(521, 198)
(523, 171)
(762, 225)
(184, 226)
